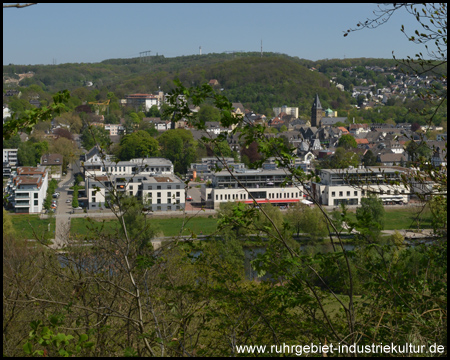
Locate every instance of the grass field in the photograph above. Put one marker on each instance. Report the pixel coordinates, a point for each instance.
(395, 219)
(23, 230)
(405, 218)
(168, 226)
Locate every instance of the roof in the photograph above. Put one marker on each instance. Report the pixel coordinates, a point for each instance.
(362, 141)
(316, 103)
(391, 157)
(51, 159)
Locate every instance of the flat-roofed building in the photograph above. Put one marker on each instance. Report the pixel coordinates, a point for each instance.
(349, 186)
(208, 165)
(266, 186)
(156, 192)
(10, 157)
(148, 166)
(27, 189)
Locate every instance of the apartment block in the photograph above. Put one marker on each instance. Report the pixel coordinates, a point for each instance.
(349, 186)
(27, 189)
(156, 192)
(265, 186)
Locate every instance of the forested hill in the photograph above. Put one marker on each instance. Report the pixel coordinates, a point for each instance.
(259, 83)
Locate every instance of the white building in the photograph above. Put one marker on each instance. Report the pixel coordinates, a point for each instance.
(348, 186)
(288, 110)
(27, 189)
(148, 166)
(10, 157)
(114, 129)
(264, 185)
(143, 101)
(156, 192)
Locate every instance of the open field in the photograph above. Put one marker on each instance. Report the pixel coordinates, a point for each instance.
(24, 224)
(168, 226)
(405, 218)
(395, 219)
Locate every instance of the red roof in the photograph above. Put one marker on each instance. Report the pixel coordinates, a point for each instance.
(362, 141)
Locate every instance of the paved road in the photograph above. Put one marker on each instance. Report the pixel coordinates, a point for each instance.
(62, 214)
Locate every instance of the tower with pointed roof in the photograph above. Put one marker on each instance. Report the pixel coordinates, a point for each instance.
(316, 112)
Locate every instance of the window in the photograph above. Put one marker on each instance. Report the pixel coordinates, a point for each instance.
(158, 187)
(355, 193)
(178, 186)
(158, 194)
(340, 193)
(169, 194)
(348, 193)
(363, 192)
(158, 208)
(221, 197)
(217, 197)
(169, 186)
(158, 201)
(93, 199)
(388, 192)
(333, 193)
(178, 194)
(36, 202)
(169, 201)
(36, 195)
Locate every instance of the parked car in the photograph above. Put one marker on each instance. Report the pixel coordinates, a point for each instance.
(77, 208)
(188, 198)
(68, 201)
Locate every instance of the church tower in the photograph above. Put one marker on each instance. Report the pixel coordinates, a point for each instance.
(316, 112)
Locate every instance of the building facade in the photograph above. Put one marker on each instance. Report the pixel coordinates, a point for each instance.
(27, 189)
(10, 157)
(266, 186)
(156, 192)
(148, 166)
(349, 186)
(316, 112)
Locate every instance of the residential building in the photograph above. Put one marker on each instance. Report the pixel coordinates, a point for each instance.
(147, 166)
(349, 186)
(287, 110)
(10, 157)
(206, 168)
(143, 101)
(266, 186)
(114, 129)
(391, 159)
(156, 192)
(54, 163)
(27, 189)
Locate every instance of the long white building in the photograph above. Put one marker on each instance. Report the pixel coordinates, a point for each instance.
(266, 186)
(349, 186)
(149, 166)
(151, 180)
(156, 192)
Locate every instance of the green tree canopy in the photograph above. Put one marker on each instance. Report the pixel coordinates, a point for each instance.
(93, 135)
(138, 144)
(178, 146)
(347, 141)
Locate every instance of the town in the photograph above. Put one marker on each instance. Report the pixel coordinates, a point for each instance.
(154, 182)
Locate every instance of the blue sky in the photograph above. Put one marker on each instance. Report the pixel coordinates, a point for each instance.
(75, 33)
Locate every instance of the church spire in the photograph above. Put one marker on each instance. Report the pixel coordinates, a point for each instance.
(316, 112)
(317, 104)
